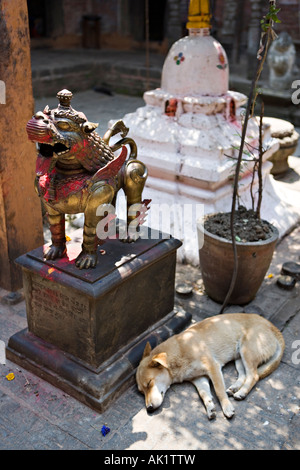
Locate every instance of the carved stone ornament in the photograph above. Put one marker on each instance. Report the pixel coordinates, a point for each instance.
(281, 61)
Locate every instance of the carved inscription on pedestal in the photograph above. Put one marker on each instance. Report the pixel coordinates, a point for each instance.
(56, 303)
(60, 315)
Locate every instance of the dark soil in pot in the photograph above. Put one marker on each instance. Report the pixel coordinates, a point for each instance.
(248, 227)
(255, 242)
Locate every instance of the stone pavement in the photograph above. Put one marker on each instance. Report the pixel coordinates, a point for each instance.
(36, 415)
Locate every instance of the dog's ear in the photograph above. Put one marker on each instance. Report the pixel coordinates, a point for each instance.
(147, 350)
(159, 360)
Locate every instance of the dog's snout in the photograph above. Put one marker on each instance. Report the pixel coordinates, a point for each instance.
(150, 408)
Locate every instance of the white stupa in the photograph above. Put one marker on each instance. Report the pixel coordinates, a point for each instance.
(185, 133)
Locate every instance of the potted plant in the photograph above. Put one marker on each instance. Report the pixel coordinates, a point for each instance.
(233, 266)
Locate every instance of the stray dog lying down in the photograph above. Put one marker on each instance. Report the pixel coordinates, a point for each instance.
(198, 354)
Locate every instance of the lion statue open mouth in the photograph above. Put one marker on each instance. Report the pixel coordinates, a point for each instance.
(77, 171)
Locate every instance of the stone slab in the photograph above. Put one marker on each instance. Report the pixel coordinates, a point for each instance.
(112, 255)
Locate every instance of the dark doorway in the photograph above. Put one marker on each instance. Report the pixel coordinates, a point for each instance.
(157, 11)
(46, 18)
(157, 15)
(37, 18)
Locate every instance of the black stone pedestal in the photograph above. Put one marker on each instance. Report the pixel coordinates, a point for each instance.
(87, 328)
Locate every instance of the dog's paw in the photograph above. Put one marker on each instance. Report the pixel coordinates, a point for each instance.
(230, 391)
(233, 389)
(211, 414)
(228, 410)
(211, 410)
(239, 395)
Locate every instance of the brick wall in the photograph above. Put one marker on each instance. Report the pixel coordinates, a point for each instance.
(117, 16)
(108, 10)
(289, 16)
(73, 12)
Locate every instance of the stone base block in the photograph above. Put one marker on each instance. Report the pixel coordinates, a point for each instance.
(87, 328)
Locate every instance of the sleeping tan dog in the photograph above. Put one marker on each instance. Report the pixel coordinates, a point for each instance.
(198, 354)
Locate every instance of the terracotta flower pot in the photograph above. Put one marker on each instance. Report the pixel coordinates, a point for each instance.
(217, 262)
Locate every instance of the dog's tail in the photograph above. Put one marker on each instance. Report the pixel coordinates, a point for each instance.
(265, 369)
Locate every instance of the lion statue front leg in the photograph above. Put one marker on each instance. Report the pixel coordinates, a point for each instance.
(100, 193)
(57, 228)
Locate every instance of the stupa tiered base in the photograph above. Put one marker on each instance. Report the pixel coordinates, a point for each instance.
(87, 329)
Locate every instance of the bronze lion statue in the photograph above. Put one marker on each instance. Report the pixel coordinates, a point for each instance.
(77, 171)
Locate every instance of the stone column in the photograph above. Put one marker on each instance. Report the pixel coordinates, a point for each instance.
(20, 209)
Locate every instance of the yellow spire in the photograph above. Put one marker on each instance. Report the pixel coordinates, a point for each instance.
(199, 14)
